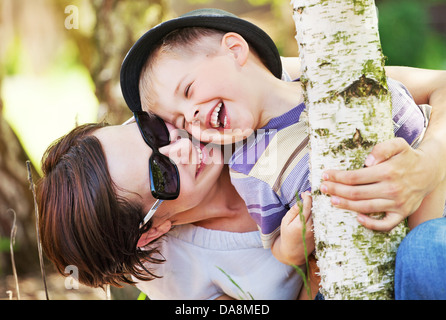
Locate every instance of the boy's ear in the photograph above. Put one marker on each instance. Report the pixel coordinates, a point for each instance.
(154, 233)
(237, 46)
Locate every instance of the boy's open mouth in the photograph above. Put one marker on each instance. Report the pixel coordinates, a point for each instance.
(219, 118)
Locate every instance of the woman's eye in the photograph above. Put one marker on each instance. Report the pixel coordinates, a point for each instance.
(180, 123)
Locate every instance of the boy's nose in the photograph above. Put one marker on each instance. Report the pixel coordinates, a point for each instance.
(192, 115)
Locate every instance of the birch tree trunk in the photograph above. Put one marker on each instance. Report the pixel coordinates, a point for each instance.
(349, 111)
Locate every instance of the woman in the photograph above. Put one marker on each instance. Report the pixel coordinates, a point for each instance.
(99, 228)
(112, 224)
(98, 177)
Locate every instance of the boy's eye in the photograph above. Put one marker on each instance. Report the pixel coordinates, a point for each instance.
(186, 90)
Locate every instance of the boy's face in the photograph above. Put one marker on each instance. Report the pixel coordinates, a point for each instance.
(209, 96)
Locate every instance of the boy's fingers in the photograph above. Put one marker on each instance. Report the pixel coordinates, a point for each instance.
(309, 224)
(307, 203)
(303, 206)
(292, 213)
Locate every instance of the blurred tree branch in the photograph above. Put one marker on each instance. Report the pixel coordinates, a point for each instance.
(118, 24)
(14, 191)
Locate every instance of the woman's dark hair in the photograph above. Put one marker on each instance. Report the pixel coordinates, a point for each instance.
(82, 221)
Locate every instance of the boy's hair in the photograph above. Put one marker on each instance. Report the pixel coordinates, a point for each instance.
(82, 221)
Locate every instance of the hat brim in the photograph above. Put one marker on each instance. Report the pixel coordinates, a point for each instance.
(140, 51)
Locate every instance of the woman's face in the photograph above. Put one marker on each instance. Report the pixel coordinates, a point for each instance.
(128, 163)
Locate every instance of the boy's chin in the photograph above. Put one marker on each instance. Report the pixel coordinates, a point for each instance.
(225, 136)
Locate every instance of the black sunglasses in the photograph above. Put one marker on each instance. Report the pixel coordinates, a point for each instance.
(164, 176)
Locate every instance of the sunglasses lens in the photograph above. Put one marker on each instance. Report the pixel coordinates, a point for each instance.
(164, 178)
(153, 129)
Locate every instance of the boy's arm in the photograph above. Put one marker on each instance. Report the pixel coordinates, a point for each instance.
(289, 247)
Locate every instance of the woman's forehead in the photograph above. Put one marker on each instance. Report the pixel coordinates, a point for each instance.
(127, 156)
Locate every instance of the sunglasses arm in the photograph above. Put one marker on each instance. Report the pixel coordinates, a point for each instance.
(151, 212)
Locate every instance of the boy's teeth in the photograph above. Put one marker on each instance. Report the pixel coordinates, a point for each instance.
(215, 122)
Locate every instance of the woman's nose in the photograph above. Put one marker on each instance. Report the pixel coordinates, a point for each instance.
(178, 134)
(179, 151)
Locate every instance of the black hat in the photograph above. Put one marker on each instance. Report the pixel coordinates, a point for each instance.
(208, 18)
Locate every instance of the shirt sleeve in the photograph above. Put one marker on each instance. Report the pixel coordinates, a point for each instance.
(410, 120)
(263, 204)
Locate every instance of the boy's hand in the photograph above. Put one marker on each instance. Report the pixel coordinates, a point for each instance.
(292, 245)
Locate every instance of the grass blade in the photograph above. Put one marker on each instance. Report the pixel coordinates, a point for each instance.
(236, 284)
(11, 248)
(39, 244)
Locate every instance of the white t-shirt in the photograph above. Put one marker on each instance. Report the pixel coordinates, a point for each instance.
(205, 264)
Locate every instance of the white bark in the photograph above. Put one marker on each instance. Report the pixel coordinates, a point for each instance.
(349, 111)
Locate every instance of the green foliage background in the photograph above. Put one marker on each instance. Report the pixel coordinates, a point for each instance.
(42, 105)
(407, 34)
